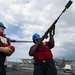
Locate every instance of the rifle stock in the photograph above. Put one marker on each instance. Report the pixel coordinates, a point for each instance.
(53, 25)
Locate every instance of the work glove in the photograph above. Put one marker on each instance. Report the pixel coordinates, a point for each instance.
(12, 48)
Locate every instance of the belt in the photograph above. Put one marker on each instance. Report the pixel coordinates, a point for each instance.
(47, 60)
(40, 62)
(44, 61)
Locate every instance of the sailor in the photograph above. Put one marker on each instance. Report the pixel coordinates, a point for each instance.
(42, 54)
(6, 49)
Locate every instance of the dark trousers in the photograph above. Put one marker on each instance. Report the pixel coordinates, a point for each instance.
(45, 68)
(2, 70)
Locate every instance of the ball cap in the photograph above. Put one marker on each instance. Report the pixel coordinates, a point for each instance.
(36, 36)
(2, 25)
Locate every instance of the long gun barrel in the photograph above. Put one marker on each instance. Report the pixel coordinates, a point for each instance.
(53, 25)
(21, 41)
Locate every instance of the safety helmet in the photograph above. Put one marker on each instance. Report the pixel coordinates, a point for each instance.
(2, 25)
(36, 36)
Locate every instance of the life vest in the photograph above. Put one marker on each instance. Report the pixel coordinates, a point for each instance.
(43, 53)
(4, 42)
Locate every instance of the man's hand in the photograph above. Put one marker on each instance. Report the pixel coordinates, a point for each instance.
(7, 50)
(11, 50)
(39, 41)
(50, 30)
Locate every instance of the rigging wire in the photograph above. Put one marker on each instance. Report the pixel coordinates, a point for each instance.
(39, 15)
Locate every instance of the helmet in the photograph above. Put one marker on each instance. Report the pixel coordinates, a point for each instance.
(2, 25)
(36, 36)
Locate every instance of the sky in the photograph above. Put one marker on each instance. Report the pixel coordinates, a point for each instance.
(23, 18)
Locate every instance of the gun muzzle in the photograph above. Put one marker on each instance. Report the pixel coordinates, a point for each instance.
(68, 4)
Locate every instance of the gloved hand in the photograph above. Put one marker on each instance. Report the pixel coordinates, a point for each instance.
(50, 30)
(12, 48)
(7, 50)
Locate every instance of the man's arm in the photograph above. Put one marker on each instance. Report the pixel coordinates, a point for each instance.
(51, 40)
(34, 48)
(6, 50)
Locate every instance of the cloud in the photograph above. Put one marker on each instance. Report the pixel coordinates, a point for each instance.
(23, 18)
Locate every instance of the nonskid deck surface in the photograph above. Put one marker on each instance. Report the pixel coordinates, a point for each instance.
(27, 71)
